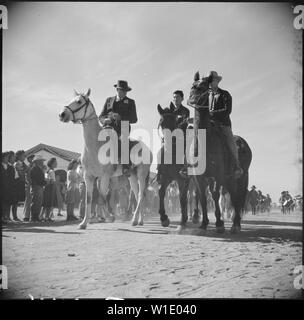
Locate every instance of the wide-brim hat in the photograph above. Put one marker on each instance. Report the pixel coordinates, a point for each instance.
(214, 75)
(122, 84)
(38, 157)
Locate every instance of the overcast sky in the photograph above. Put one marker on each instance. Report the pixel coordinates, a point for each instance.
(51, 48)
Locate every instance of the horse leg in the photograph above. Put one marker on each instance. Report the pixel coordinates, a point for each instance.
(183, 189)
(103, 183)
(237, 195)
(134, 188)
(195, 217)
(89, 181)
(222, 204)
(190, 202)
(200, 186)
(110, 204)
(219, 224)
(161, 193)
(141, 178)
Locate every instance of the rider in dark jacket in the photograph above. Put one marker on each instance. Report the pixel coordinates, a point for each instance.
(122, 105)
(183, 114)
(220, 106)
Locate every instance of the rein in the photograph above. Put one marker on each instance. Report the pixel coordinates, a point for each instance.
(196, 106)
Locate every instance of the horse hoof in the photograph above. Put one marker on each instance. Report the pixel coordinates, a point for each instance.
(202, 232)
(140, 223)
(220, 229)
(134, 223)
(235, 229)
(101, 220)
(111, 218)
(203, 227)
(195, 220)
(165, 223)
(82, 226)
(179, 229)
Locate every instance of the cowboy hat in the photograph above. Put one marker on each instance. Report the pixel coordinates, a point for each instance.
(38, 157)
(214, 75)
(122, 84)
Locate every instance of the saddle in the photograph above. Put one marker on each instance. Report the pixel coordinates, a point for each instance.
(132, 143)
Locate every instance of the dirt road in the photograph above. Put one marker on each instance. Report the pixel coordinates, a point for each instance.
(55, 260)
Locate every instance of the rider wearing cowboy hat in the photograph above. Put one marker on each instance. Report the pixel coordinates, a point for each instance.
(122, 105)
(220, 106)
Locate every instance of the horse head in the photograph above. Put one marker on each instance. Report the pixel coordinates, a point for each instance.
(168, 120)
(79, 109)
(199, 91)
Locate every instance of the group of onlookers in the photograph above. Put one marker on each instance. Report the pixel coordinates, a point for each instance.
(39, 188)
(13, 172)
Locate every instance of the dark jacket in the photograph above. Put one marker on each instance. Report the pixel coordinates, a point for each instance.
(7, 184)
(222, 107)
(37, 177)
(125, 108)
(182, 111)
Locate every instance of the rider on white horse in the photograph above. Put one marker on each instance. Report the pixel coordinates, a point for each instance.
(123, 106)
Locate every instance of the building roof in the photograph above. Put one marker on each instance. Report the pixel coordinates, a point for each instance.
(62, 153)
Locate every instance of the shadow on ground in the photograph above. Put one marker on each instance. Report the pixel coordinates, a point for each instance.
(252, 231)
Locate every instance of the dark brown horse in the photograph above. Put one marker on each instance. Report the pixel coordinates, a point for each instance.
(170, 171)
(219, 165)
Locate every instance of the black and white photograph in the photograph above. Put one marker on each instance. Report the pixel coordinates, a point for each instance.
(151, 150)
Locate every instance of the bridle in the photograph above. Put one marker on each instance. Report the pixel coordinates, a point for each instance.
(159, 126)
(85, 105)
(196, 106)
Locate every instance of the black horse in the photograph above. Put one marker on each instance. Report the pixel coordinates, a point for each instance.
(171, 171)
(219, 164)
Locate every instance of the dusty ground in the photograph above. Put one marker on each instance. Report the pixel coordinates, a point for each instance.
(114, 259)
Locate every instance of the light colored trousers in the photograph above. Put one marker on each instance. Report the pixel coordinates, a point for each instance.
(27, 202)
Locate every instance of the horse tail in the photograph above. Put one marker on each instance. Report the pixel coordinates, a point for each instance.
(245, 157)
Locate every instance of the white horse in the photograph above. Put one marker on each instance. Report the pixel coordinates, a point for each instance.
(81, 110)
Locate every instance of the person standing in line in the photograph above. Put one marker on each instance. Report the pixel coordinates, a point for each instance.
(13, 176)
(37, 184)
(27, 203)
(5, 194)
(59, 198)
(21, 168)
(49, 190)
(42, 214)
(72, 186)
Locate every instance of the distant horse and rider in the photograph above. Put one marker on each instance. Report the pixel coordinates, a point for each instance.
(228, 157)
(287, 202)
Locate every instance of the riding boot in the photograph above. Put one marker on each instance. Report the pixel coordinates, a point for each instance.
(184, 170)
